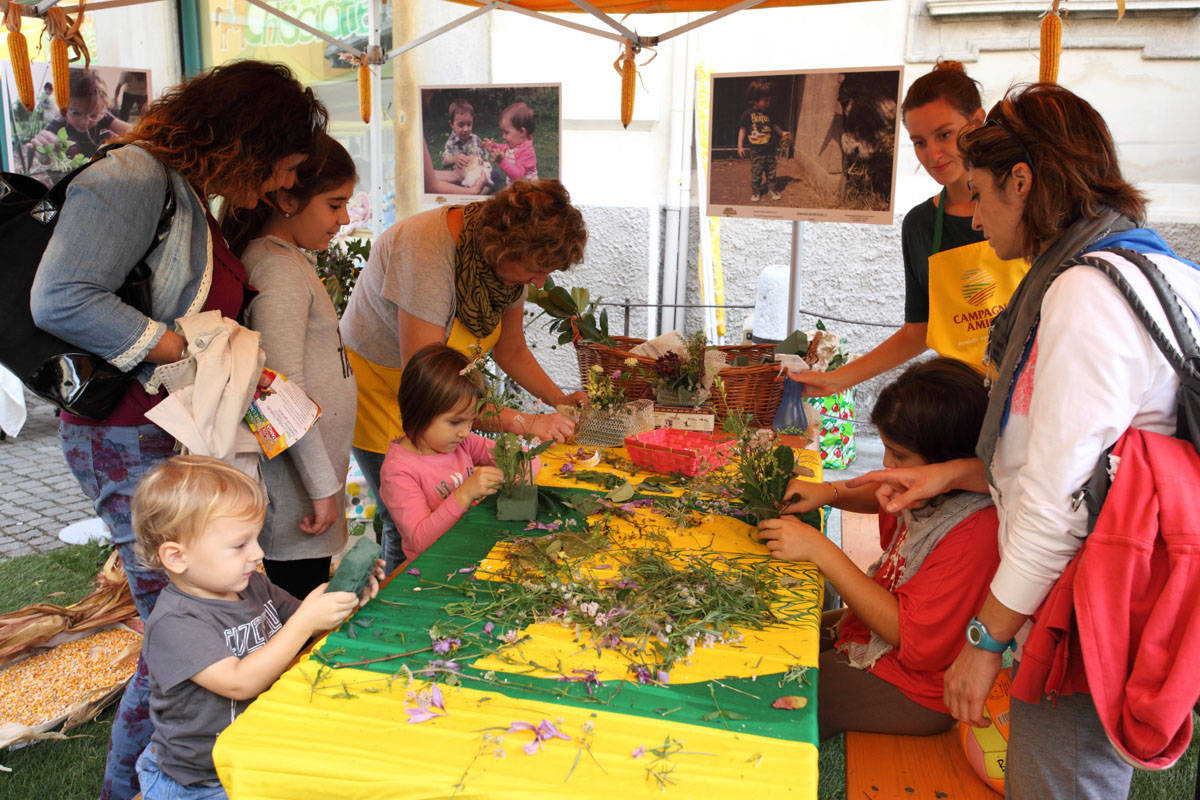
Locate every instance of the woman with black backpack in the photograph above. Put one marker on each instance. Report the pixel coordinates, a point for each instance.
(238, 131)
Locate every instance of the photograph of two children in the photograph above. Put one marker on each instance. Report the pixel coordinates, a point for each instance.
(482, 138)
(795, 145)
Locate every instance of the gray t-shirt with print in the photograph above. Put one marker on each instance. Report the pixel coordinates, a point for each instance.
(186, 634)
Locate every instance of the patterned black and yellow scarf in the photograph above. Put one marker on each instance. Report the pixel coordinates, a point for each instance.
(480, 297)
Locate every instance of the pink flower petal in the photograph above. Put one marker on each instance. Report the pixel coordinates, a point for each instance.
(639, 751)
(437, 702)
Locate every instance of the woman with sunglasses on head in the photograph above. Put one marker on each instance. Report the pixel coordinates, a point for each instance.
(1073, 370)
(238, 131)
(943, 254)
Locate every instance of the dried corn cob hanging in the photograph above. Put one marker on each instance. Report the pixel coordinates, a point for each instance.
(18, 54)
(65, 36)
(626, 67)
(364, 90)
(363, 64)
(1051, 47)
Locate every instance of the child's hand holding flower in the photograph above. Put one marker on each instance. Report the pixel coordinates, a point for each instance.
(483, 482)
(791, 540)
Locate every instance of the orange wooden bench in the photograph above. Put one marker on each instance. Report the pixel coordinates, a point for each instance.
(891, 767)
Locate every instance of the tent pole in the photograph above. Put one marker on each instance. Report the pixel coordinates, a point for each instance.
(449, 26)
(606, 19)
(616, 37)
(702, 21)
(375, 126)
(793, 307)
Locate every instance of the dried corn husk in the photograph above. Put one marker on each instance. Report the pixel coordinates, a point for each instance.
(40, 624)
(65, 39)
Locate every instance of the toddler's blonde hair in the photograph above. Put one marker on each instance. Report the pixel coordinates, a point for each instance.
(177, 500)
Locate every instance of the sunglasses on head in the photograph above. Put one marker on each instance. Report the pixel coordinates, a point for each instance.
(1028, 159)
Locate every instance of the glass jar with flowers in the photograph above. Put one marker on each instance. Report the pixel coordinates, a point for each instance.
(610, 415)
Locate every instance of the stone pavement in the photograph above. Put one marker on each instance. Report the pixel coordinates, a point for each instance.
(38, 494)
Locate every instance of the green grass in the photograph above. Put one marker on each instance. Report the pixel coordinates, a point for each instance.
(25, 580)
(73, 769)
(64, 770)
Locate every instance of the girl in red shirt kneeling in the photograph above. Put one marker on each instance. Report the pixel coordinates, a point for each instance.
(883, 657)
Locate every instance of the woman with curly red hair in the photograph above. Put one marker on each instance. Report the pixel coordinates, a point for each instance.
(237, 131)
(457, 276)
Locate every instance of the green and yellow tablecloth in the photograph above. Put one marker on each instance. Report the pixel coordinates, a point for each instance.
(345, 732)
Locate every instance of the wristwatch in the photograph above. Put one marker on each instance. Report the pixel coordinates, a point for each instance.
(978, 636)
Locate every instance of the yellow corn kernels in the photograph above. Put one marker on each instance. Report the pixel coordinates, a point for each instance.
(364, 90)
(18, 54)
(1051, 47)
(626, 66)
(61, 72)
(46, 686)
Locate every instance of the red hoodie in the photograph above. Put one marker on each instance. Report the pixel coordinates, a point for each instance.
(1123, 621)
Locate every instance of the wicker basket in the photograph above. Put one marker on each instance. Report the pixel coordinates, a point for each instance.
(752, 389)
(673, 451)
(595, 427)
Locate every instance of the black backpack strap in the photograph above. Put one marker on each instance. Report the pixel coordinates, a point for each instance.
(1184, 363)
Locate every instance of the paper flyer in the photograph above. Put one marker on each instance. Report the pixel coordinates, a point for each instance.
(280, 414)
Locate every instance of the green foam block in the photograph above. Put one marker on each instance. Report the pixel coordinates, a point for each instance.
(355, 570)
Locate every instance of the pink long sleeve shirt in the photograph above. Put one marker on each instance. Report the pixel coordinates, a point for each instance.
(419, 490)
(520, 162)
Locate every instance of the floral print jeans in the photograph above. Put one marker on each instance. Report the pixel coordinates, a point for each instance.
(109, 461)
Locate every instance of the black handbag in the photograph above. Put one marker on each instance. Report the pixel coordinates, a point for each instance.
(71, 378)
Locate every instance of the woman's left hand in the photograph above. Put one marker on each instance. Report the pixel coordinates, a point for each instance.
(551, 426)
(325, 513)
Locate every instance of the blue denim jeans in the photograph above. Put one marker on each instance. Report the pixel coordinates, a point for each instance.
(371, 465)
(157, 785)
(109, 461)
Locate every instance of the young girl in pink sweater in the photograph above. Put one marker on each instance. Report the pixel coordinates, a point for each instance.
(439, 468)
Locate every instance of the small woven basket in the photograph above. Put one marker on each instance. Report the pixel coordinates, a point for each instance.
(673, 451)
(596, 427)
(753, 389)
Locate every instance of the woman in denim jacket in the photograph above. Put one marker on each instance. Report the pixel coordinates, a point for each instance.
(238, 131)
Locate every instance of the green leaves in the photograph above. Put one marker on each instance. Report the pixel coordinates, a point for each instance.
(563, 307)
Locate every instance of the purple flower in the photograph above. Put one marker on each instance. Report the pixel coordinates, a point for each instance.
(420, 714)
(639, 751)
(663, 678)
(446, 645)
(566, 469)
(413, 571)
(424, 714)
(625, 583)
(643, 675)
(488, 628)
(510, 636)
(616, 374)
(544, 731)
(465, 570)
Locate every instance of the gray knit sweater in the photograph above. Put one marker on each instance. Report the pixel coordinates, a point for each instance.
(300, 337)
